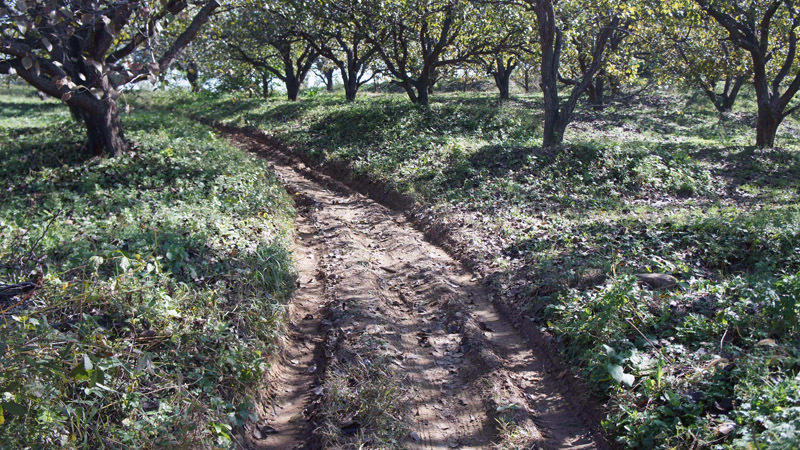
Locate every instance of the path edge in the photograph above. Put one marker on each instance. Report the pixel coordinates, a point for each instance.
(442, 234)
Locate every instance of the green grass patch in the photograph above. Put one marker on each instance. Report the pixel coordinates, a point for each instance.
(163, 278)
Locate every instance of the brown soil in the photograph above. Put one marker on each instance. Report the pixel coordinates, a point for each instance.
(366, 271)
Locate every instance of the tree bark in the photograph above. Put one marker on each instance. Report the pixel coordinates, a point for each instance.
(556, 116)
(730, 96)
(192, 76)
(351, 88)
(724, 103)
(424, 88)
(502, 83)
(550, 39)
(767, 126)
(104, 130)
(596, 93)
(328, 73)
(292, 87)
(410, 90)
(502, 76)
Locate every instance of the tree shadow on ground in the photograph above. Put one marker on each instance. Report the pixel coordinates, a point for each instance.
(773, 168)
(23, 109)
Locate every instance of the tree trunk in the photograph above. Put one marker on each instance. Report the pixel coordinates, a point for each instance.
(724, 103)
(410, 91)
(550, 40)
(424, 88)
(767, 126)
(502, 76)
(502, 82)
(104, 130)
(550, 91)
(350, 81)
(596, 93)
(292, 87)
(350, 90)
(328, 80)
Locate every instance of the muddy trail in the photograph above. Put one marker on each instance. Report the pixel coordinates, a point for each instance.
(376, 298)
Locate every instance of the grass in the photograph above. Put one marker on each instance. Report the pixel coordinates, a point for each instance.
(163, 276)
(661, 184)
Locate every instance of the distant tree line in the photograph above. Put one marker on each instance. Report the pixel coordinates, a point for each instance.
(84, 51)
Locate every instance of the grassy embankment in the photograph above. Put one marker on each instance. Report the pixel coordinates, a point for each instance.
(663, 185)
(163, 278)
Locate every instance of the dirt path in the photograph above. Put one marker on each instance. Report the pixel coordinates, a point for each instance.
(373, 289)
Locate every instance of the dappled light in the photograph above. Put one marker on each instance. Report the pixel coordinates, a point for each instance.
(399, 224)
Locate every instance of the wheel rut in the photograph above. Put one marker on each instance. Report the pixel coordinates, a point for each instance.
(373, 289)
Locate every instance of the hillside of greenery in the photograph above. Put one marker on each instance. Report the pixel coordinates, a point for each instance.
(657, 184)
(161, 282)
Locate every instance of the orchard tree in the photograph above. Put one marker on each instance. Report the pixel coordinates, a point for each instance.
(525, 75)
(767, 30)
(697, 52)
(330, 27)
(324, 69)
(618, 67)
(605, 21)
(84, 51)
(417, 40)
(263, 35)
(500, 68)
(511, 44)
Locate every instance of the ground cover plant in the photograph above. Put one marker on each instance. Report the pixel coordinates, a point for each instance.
(655, 184)
(161, 282)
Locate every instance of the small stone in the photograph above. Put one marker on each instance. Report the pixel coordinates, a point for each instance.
(262, 431)
(726, 428)
(657, 280)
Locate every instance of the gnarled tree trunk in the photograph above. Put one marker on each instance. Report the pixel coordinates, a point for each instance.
(104, 129)
(424, 89)
(596, 92)
(292, 87)
(328, 74)
(351, 88)
(502, 76)
(767, 125)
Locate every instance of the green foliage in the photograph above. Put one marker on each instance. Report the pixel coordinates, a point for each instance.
(163, 272)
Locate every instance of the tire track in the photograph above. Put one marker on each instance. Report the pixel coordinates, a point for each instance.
(465, 366)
